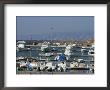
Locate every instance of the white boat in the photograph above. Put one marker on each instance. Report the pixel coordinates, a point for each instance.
(68, 50)
(18, 58)
(73, 64)
(80, 60)
(17, 49)
(91, 52)
(46, 54)
(23, 64)
(21, 44)
(43, 47)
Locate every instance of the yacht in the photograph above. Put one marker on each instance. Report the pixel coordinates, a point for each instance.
(43, 47)
(68, 50)
(91, 52)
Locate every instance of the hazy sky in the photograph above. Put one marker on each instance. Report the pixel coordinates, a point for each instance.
(55, 27)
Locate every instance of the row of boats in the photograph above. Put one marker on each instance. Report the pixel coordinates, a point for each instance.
(52, 66)
(55, 59)
(49, 50)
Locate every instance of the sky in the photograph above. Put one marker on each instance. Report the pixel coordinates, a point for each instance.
(54, 27)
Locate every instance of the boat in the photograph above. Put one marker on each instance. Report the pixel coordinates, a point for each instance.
(46, 54)
(80, 60)
(91, 52)
(21, 44)
(17, 49)
(44, 47)
(68, 50)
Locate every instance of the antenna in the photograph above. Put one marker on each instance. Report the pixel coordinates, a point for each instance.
(21, 30)
(31, 37)
(51, 28)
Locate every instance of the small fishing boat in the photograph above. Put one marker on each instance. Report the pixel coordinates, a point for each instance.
(91, 52)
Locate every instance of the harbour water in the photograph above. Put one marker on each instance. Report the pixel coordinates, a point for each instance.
(35, 53)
